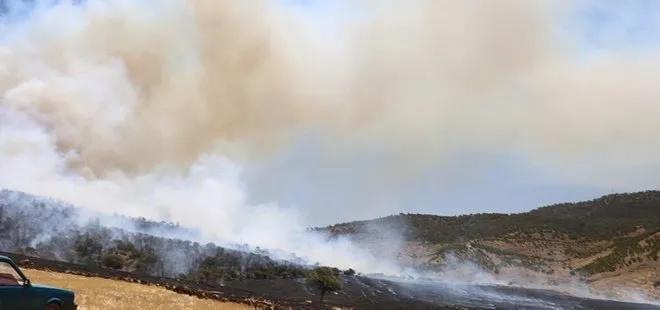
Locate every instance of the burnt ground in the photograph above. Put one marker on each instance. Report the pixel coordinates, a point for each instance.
(357, 292)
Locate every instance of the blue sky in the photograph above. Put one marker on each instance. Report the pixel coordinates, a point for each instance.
(616, 24)
(601, 23)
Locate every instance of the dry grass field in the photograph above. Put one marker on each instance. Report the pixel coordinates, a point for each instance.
(103, 294)
(627, 281)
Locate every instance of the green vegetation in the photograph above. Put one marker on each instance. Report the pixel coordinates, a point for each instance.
(326, 279)
(88, 249)
(113, 261)
(625, 252)
(600, 219)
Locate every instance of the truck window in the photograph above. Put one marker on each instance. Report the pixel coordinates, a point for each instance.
(9, 276)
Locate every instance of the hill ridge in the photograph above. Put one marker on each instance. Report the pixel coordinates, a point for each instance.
(613, 239)
(603, 198)
(605, 217)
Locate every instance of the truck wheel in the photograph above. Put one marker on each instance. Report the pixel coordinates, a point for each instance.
(52, 306)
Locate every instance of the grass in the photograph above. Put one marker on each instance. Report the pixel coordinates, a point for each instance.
(98, 293)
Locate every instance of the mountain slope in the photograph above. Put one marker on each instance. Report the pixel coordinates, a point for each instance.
(54, 230)
(606, 217)
(601, 240)
(611, 242)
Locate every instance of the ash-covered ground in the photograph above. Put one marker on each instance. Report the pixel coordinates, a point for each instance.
(358, 292)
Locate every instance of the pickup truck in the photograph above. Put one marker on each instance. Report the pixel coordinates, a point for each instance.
(18, 293)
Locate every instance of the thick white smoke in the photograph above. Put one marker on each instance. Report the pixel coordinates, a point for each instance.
(100, 109)
(156, 108)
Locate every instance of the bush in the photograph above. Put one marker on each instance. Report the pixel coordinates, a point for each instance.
(210, 270)
(88, 249)
(112, 261)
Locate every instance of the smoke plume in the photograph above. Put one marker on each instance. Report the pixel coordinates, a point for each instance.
(162, 108)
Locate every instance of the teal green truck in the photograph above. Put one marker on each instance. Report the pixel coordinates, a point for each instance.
(18, 293)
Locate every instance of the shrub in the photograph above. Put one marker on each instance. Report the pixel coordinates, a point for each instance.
(113, 261)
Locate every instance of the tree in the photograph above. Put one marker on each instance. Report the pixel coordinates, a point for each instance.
(325, 279)
(349, 272)
(113, 261)
(88, 249)
(210, 270)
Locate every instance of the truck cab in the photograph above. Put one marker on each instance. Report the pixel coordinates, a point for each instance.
(18, 293)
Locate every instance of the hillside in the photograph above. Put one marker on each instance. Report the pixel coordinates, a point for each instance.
(54, 230)
(59, 237)
(603, 218)
(605, 240)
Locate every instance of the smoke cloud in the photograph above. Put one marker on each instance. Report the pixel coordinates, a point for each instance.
(164, 109)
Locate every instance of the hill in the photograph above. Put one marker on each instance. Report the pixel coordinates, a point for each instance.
(594, 241)
(603, 218)
(50, 229)
(547, 240)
